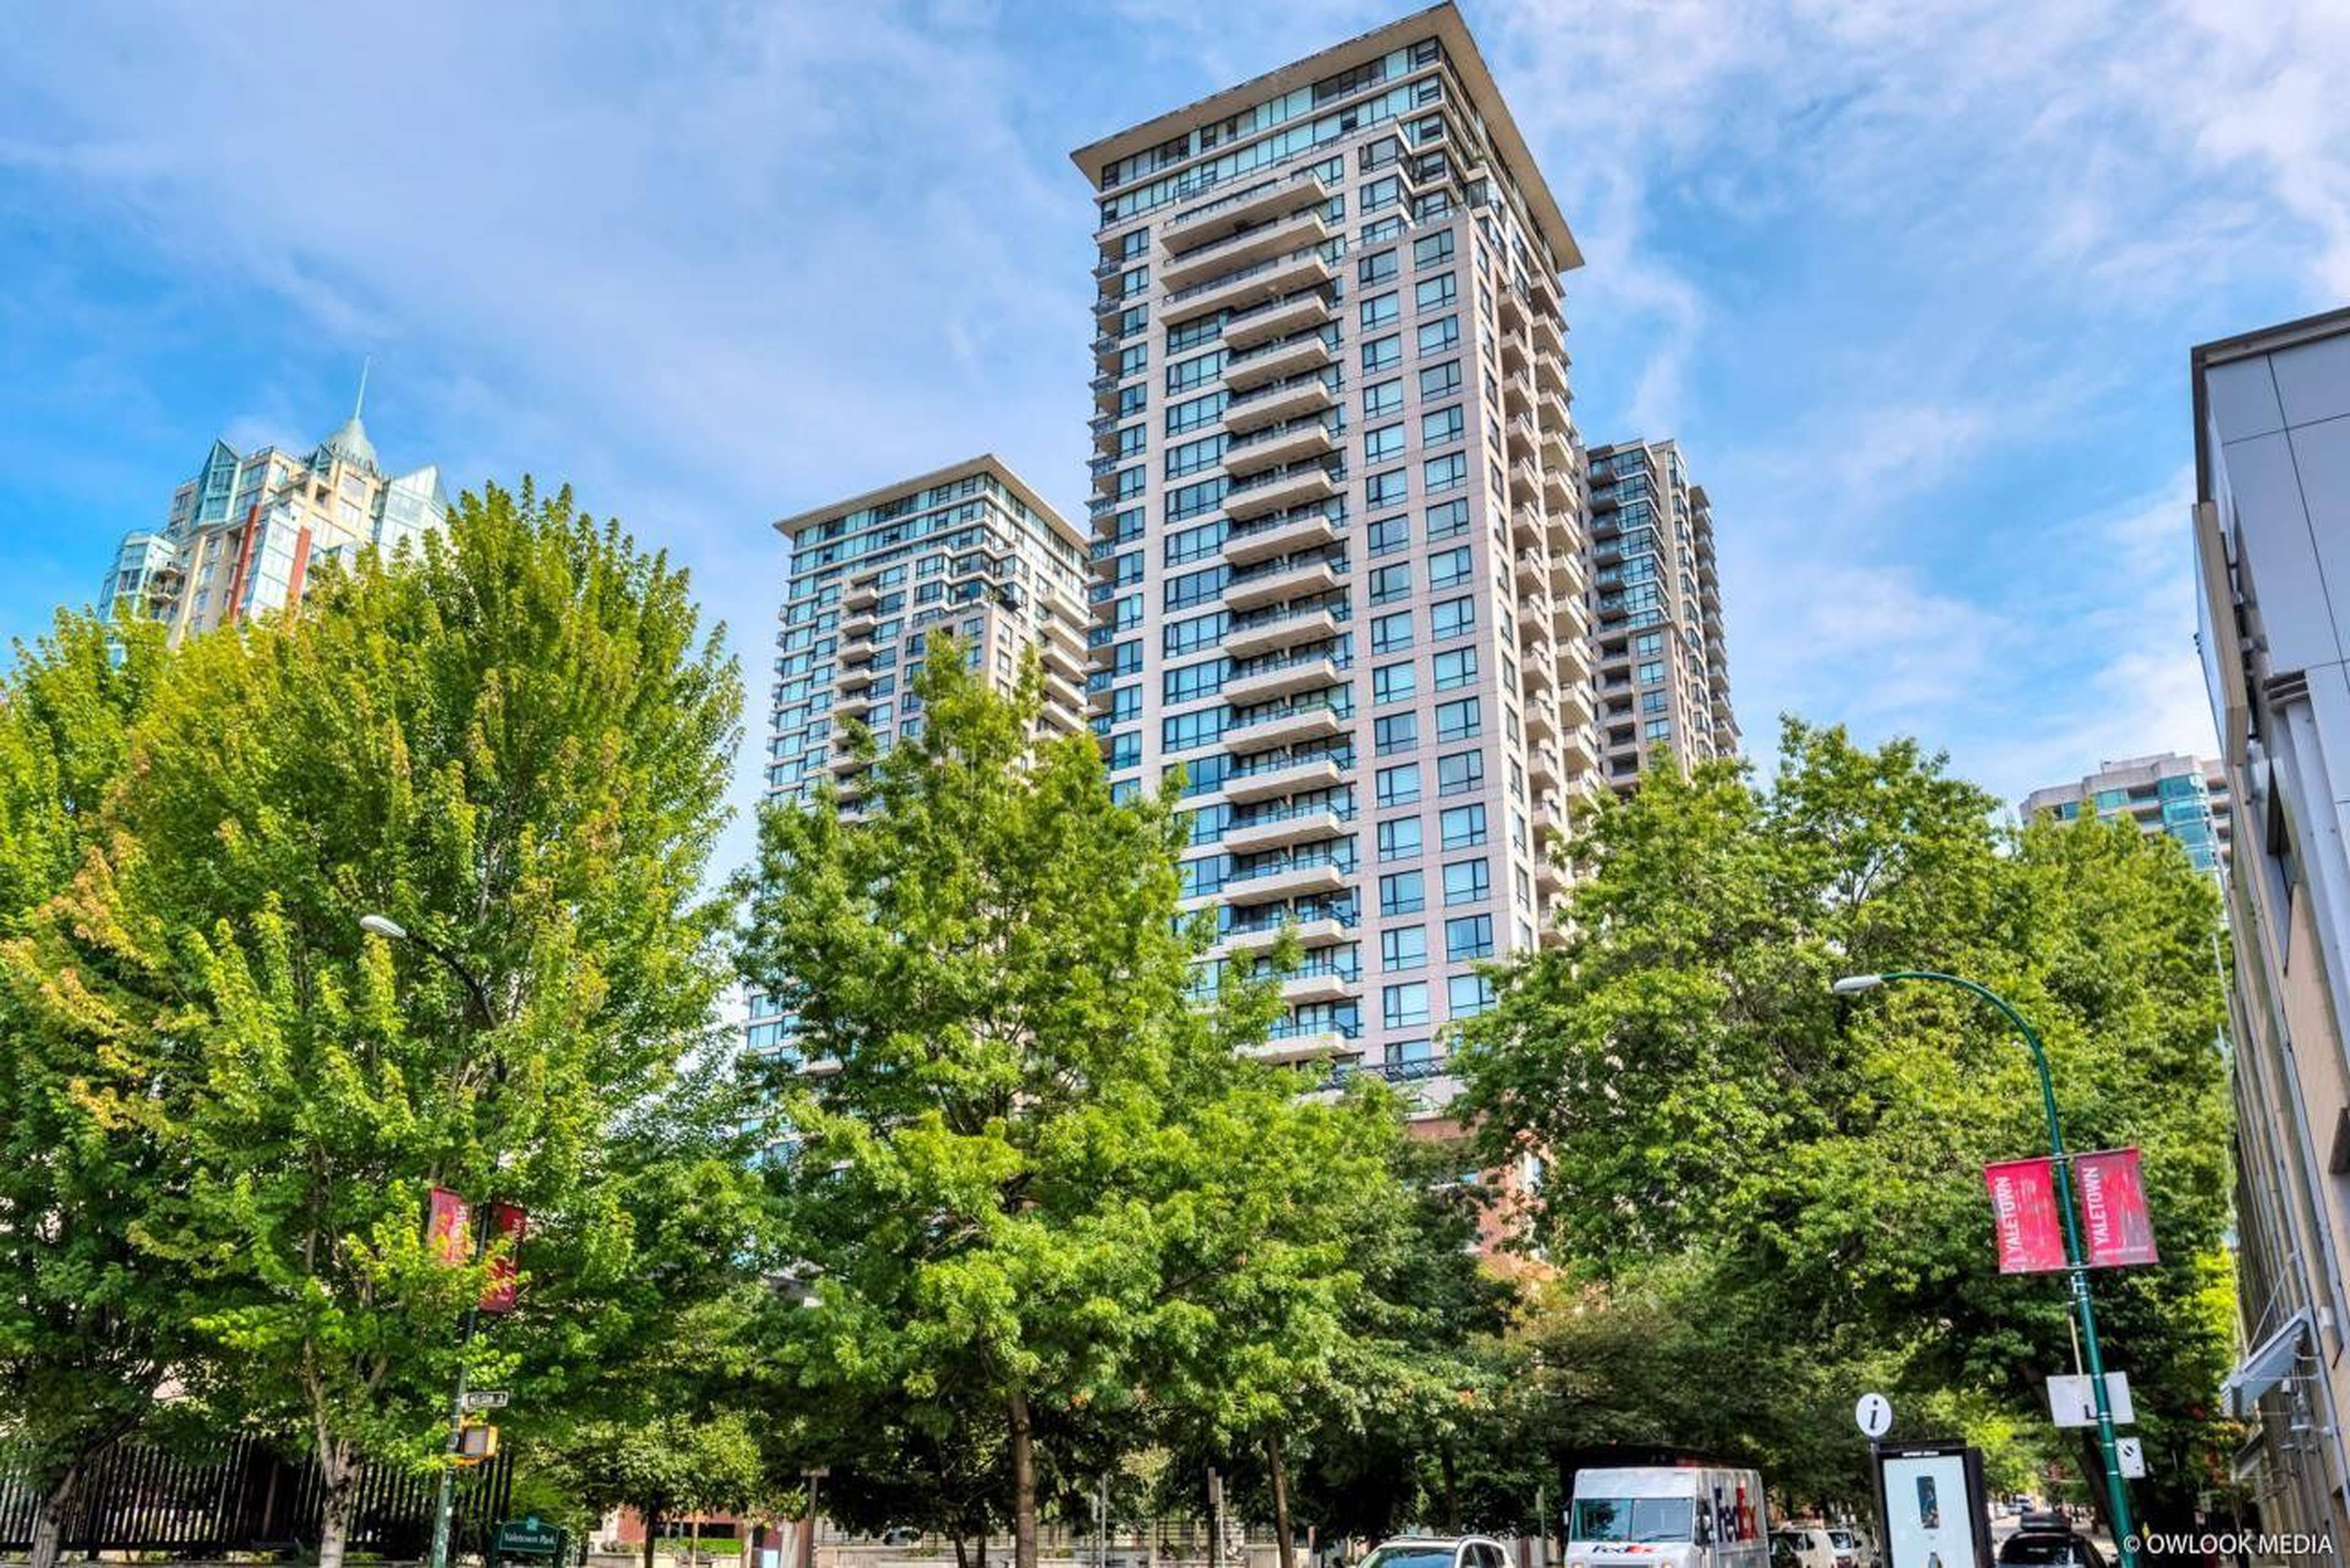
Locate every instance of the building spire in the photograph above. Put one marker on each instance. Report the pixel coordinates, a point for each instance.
(359, 404)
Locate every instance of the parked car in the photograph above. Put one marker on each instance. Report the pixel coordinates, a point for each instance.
(1813, 1547)
(2049, 1540)
(1438, 1552)
(1784, 1552)
(1857, 1545)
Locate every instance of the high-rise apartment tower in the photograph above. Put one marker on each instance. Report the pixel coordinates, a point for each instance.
(1664, 673)
(244, 533)
(970, 550)
(2169, 794)
(1337, 526)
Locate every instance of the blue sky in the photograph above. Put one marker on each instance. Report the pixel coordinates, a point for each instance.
(1914, 283)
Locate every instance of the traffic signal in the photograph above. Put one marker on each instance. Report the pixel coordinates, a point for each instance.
(477, 1440)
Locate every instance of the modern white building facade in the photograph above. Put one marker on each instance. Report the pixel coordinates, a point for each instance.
(2272, 550)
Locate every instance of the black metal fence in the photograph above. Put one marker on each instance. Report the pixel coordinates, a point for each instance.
(244, 1497)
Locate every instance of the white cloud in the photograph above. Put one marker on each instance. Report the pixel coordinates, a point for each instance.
(1912, 279)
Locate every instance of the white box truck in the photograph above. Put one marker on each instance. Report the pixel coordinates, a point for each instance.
(1668, 1516)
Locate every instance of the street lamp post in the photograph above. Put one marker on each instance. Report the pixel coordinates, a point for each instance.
(444, 1503)
(2076, 1266)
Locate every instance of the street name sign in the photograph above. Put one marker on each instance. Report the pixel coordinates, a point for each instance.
(486, 1398)
(2073, 1401)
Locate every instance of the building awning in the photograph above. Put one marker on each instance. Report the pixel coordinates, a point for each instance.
(2268, 1364)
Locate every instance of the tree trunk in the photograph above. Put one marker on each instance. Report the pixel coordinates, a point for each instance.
(979, 1559)
(962, 1557)
(1024, 1483)
(49, 1518)
(338, 1466)
(1278, 1473)
(1452, 1491)
(652, 1534)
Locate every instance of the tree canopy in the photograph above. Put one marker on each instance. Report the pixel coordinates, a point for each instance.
(1703, 1102)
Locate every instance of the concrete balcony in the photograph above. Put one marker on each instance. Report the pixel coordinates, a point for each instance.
(1212, 221)
(1523, 438)
(1546, 334)
(1575, 706)
(1525, 484)
(861, 624)
(1555, 453)
(1541, 666)
(1277, 445)
(1568, 577)
(860, 596)
(1279, 491)
(1279, 832)
(1281, 318)
(1277, 360)
(1553, 410)
(1059, 658)
(1290, 631)
(1516, 354)
(1277, 586)
(1069, 695)
(855, 705)
(1319, 932)
(1277, 536)
(1284, 727)
(1543, 767)
(1581, 748)
(1550, 373)
(1541, 720)
(1290, 778)
(1303, 1046)
(1517, 394)
(1277, 402)
(1323, 985)
(1283, 883)
(1254, 285)
(1281, 681)
(1558, 488)
(1266, 242)
(1511, 305)
(855, 651)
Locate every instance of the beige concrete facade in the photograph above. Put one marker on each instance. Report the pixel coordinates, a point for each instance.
(248, 531)
(2273, 547)
(1663, 666)
(2185, 797)
(1338, 527)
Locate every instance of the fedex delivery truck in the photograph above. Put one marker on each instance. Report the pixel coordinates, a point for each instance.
(1668, 1516)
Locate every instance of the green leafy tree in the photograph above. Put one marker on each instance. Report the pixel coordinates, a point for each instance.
(1026, 1153)
(87, 1328)
(514, 743)
(671, 1466)
(1696, 1089)
(1274, 1218)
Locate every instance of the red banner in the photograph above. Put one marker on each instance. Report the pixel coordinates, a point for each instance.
(2116, 1228)
(507, 1224)
(2025, 1218)
(448, 1227)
